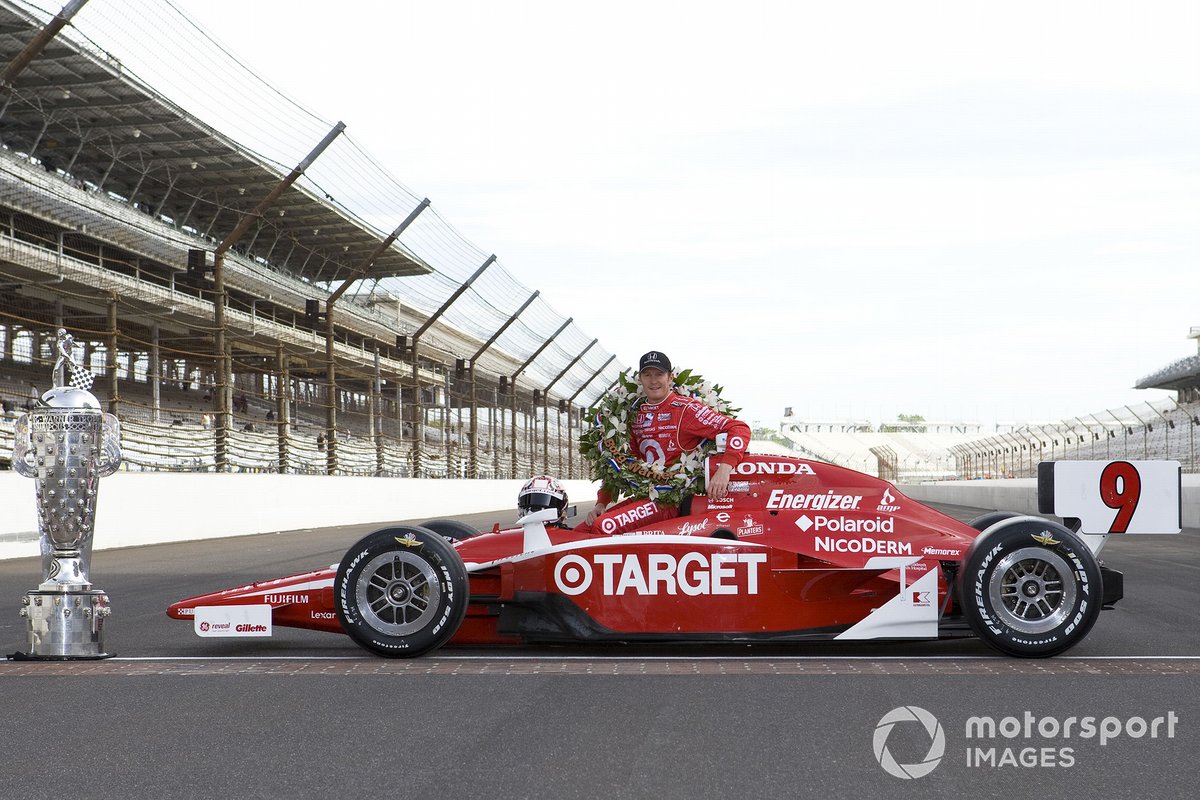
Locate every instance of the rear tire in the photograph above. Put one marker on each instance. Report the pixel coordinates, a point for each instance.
(451, 529)
(401, 592)
(1030, 587)
(985, 521)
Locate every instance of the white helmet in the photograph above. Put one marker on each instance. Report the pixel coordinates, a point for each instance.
(542, 492)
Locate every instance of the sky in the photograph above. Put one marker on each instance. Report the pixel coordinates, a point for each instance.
(965, 210)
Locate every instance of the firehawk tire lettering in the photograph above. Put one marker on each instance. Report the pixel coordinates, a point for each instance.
(1031, 593)
(401, 599)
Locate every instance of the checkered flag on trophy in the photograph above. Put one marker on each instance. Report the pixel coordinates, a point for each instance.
(77, 377)
(80, 378)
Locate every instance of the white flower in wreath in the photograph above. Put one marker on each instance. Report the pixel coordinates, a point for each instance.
(691, 463)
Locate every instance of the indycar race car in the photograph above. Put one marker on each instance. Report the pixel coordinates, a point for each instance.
(800, 550)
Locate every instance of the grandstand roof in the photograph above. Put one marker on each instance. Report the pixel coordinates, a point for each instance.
(79, 112)
(1181, 374)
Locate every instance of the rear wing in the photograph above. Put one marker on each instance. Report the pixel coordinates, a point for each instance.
(1113, 496)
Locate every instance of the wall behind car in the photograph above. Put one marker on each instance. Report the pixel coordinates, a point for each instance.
(137, 508)
(1020, 494)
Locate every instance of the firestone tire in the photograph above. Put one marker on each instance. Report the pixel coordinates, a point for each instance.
(451, 529)
(401, 592)
(1030, 588)
(985, 521)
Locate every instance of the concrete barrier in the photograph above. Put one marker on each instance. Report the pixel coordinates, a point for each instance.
(1021, 495)
(156, 507)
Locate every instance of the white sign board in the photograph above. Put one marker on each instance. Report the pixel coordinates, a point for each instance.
(254, 620)
(1114, 496)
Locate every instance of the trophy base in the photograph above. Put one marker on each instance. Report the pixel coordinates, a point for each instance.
(62, 626)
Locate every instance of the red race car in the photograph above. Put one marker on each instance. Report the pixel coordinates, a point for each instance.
(800, 551)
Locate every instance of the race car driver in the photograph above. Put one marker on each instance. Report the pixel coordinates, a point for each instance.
(541, 492)
(666, 426)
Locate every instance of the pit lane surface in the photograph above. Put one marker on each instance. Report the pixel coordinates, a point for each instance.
(306, 714)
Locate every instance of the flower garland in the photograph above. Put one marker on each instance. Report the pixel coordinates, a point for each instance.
(606, 445)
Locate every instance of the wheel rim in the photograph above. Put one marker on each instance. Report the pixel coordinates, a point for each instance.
(398, 593)
(1032, 590)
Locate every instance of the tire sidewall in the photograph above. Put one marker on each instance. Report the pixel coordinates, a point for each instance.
(452, 583)
(450, 529)
(985, 521)
(980, 564)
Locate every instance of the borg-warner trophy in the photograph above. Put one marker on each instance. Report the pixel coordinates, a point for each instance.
(66, 444)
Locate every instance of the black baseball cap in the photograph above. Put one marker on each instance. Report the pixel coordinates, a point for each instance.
(655, 359)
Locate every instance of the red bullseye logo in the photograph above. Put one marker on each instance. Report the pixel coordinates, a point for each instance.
(608, 525)
(573, 575)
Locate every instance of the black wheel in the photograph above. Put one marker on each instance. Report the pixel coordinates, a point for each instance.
(401, 592)
(985, 521)
(452, 529)
(1030, 587)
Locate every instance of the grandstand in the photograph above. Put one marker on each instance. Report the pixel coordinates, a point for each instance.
(1163, 429)
(908, 452)
(251, 303)
(1181, 376)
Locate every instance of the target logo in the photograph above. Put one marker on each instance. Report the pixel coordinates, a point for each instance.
(647, 573)
(737, 443)
(628, 517)
(933, 728)
(573, 574)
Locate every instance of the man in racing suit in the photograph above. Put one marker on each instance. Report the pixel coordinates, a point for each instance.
(666, 426)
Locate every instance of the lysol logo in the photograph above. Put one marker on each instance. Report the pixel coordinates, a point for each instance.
(691, 574)
(773, 468)
(830, 500)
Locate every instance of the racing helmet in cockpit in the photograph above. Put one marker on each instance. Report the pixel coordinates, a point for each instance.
(540, 492)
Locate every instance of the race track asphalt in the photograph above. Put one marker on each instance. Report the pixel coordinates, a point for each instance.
(307, 714)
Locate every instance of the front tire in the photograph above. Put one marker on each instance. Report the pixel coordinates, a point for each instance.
(451, 529)
(1030, 587)
(401, 592)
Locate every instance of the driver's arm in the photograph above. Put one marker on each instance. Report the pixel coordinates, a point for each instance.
(718, 486)
(596, 511)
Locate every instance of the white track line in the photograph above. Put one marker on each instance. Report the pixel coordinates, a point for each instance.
(653, 658)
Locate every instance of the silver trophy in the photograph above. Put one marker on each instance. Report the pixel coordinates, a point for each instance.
(66, 444)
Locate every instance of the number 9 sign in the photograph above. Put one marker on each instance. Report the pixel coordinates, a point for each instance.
(1113, 496)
